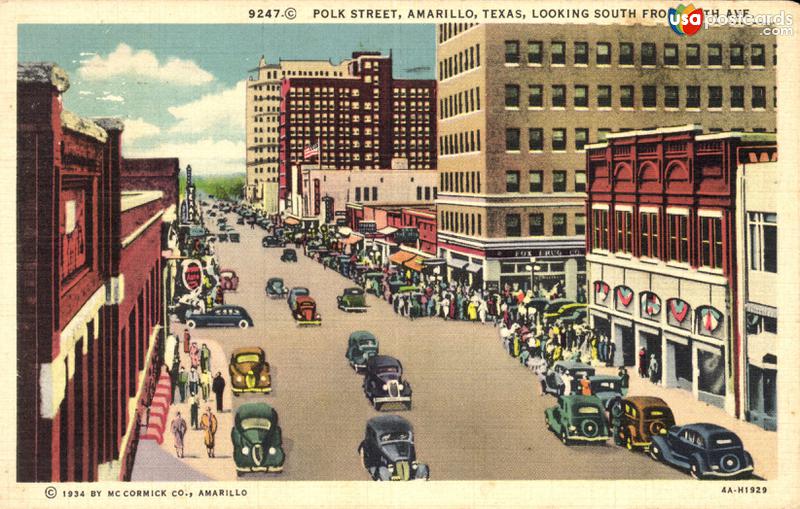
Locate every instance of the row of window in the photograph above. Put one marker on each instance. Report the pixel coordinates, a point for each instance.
(671, 96)
(536, 181)
(460, 182)
(365, 194)
(273, 75)
(536, 225)
(460, 143)
(268, 170)
(411, 92)
(461, 222)
(450, 30)
(429, 193)
(463, 61)
(737, 54)
(466, 101)
(558, 139)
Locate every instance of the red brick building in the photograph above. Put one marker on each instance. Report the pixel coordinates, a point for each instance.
(88, 288)
(363, 120)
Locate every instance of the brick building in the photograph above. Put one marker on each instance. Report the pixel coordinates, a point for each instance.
(662, 253)
(86, 253)
(362, 120)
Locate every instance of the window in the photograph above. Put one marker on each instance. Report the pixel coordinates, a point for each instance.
(559, 224)
(512, 52)
(602, 132)
(756, 323)
(711, 242)
(512, 181)
(649, 99)
(559, 139)
(763, 233)
(625, 53)
(677, 238)
(671, 54)
(559, 181)
(692, 54)
(70, 219)
(535, 181)
(648, 53)
(559, 96)
(757, 55)
(581, 137)
(759, 99)
(535, 224)
(580, 224)
(581, 96)
(557, 52)
(513, 225)
(419, 189)
(692, 97)
(580, 181)
(581, 53)
(535, 96)
(358, 194)
(737, 54)
(375, 193)
(535, 139)
(626, 96)
(714, 54)
(648, 226)
(603, 53)
(604, 95)
(534, 52)
(624, 229)
(512, 139)
(600, 229)
(715, 97)
(737, 97)
(671, 97)
(366, 194)
(512, 96)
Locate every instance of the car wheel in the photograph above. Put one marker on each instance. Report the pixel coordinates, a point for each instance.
(243, 324)
(694, 470)
(655, 453)
(191, 324)
(564, 439)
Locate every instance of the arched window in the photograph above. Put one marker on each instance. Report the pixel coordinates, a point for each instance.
(623, 298)
(709, 321)
(650, 305)
(601, 291)
(679, 313)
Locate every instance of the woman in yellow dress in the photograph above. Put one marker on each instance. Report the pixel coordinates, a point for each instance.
(209, 425)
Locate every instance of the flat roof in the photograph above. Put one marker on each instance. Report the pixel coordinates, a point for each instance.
(133, 199)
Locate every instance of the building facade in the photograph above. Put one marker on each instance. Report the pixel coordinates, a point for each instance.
(661, 254)
(365, 119)
(86, 251)
(262, 123)
(518, 103)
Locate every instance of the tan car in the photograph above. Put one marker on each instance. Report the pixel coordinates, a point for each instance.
(638, 419)
(249, 371)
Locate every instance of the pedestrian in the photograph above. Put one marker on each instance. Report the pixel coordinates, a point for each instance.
(187, 338)
(568, 379)
(174, 374)
(586, 386)
(205, 358)
(218, 386)
(601, 349)
(178, 428)
(472, 311)
(539, 367)
(483, 309)
(209, 424)
(183, 379)
(205, 384)
(194, 356)
(194, 381)
(642, 362)
(652, 369)
(624, 379)
(610, 353)
(194, 408)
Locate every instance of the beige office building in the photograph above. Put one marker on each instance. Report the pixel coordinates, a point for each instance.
(262, 123)
(517, 103)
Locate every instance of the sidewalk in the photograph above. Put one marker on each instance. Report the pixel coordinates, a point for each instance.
(761, 444)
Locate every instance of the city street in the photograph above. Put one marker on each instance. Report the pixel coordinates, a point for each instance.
(476, 413)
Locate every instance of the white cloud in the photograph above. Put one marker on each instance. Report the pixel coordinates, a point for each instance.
(137, 128)
(206, 156)
(223, 111)
(112, 98)
(87, 53)
(144, 64)
(85, 92)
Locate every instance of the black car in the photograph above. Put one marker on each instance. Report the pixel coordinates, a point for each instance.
(289, 255)
(240, 220)
(383, 383)
(221, 316)
(388, 452)
(272, 241)
(705, 450)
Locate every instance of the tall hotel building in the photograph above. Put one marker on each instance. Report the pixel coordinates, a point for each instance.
(262, 108)
(518, 103)
(363, 120)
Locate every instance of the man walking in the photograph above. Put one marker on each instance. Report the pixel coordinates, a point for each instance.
(187, 338)
(183, 379)
(194, 381)
(218, 386)
(178, 431)
(194, 409)
(209, 425)
(205, 358)
(205, 384)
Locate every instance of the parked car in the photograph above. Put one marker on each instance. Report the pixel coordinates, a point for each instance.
(577, 418)
(639, 418)
(275, 288)
(352, 299)
(234, 236)
(608, 388)
(305, 311)
(294, 293)
(539, 304)
(553, 309)
(228, 280)
(289, 255)
(221, 316)
(256, 437)
(396, 282)
(240, 220)
(555, 380)
(360, 347)
(383, 383)
(388, 452)
(705, 450)
(575, 317)
(222, 236)
(249, 371)
(372, 282)
(272, 241)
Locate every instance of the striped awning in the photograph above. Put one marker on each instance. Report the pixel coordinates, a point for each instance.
(401, 257)
(292, 221)
(414, 263)
(352, 239)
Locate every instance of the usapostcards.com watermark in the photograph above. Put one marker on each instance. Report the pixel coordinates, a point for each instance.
(773, 24)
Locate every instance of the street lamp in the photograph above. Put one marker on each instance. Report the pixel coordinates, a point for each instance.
(532, 268)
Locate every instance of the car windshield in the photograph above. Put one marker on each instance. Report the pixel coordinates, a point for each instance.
(353, 291)
(397, 435)
(248, 357)
(588, 410)
(256, 422)
(387, 370)
(580, 373)
(604, 386)
(658, 413)
(368, 345)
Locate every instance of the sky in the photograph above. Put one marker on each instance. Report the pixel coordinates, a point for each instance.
(181, 88)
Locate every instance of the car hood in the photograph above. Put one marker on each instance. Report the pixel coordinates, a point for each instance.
(397, 451)
(255, 435)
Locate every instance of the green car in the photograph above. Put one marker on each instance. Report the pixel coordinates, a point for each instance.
(360, 347)
(352, 299)
(578, 418)
(372, 282)
(256, 439)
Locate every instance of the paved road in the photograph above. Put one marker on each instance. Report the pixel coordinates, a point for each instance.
(477, 414)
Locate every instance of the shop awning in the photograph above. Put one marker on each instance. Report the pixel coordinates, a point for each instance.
(292, 221)
(352, 239)
(401, 257)
(761, 309)
(457, 264)
(414, 264)
(473, 267)
(344, 230)
(434, 261)
(388, 230)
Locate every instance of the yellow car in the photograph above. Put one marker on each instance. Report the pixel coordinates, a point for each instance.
(560, 307)
(249, 371)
